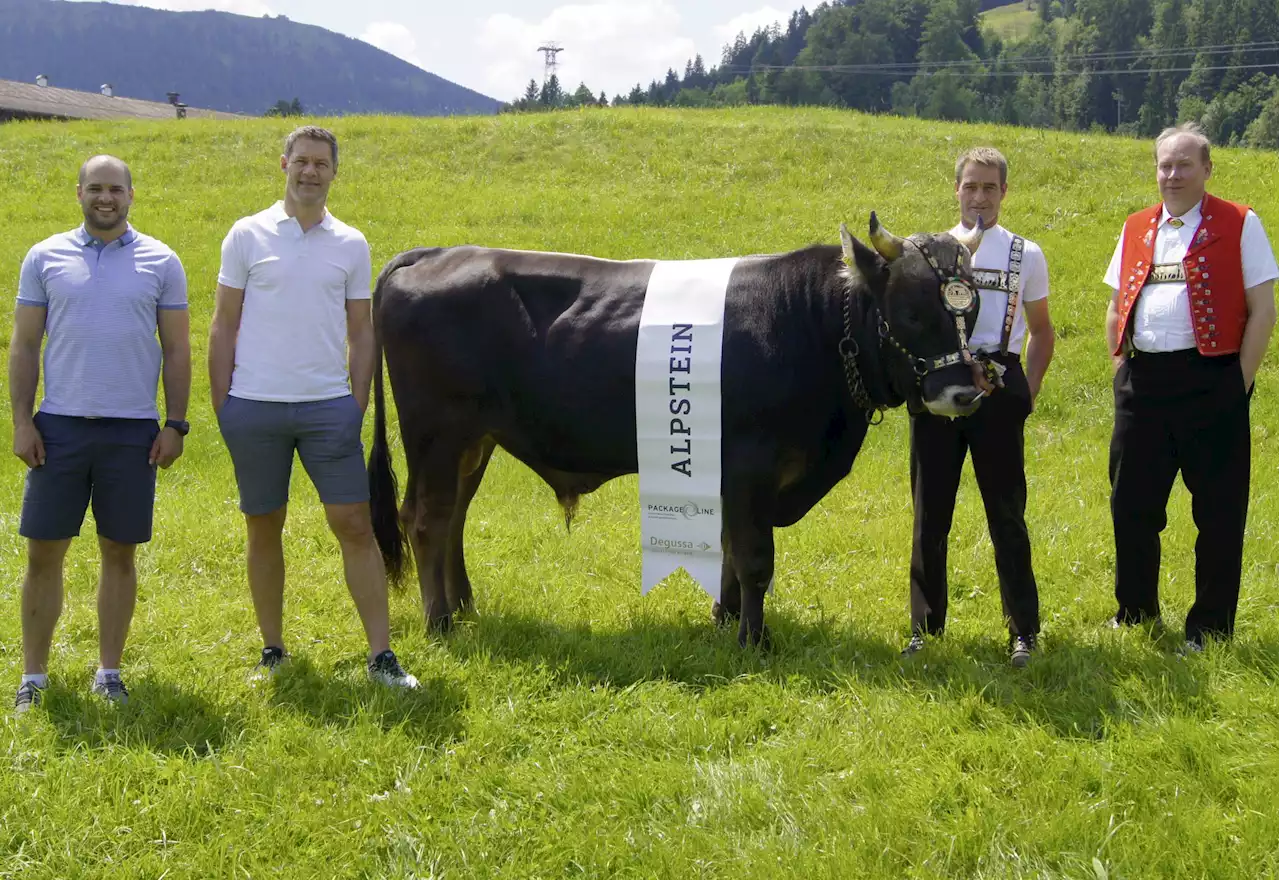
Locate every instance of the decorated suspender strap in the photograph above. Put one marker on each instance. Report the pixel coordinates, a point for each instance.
(1011, 307)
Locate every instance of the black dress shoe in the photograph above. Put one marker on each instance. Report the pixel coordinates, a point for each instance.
(1156, 624)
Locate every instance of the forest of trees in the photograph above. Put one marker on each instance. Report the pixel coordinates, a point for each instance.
(1129, 66)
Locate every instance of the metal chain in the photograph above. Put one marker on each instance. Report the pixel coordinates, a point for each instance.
(853, 378)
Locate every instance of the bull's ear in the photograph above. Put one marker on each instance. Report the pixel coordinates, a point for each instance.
(846, 245)
(858, 255)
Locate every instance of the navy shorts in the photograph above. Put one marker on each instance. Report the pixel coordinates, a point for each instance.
(262, 436)
(100, 460)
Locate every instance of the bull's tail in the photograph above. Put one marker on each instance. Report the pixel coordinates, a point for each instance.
(383, 491)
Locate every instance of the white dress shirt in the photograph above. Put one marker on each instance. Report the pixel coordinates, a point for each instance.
(1033, 285)
(1162, 315)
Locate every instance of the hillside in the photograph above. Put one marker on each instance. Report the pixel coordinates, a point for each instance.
(1131, 66)
(217, 60)
(570, 726)
(1011, 21)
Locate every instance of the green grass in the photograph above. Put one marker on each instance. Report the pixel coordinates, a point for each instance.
(1011, 22)
(571, 727)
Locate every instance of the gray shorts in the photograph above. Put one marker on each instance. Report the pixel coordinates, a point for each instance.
(98, 460)
(262, 435)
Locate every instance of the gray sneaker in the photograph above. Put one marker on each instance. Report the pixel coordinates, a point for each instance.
(112, 689)
(28, 695)
(1020, 649)
(385, 669)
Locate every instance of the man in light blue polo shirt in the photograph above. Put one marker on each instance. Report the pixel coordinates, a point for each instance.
(101, 293)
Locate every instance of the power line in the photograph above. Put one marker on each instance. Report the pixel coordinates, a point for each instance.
(1068, 73)
(905, 68)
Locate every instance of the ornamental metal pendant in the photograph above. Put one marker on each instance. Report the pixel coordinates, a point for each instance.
(959, 296)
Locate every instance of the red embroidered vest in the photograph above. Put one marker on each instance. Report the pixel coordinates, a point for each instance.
(1215, 279)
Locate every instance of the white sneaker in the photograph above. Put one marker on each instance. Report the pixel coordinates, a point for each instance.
(385, 669)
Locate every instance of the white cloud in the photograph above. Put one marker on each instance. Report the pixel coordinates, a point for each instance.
(746, 24)
(610, 45)
(255, 8)
(393, 37)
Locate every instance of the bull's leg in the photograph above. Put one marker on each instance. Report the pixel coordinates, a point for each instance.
(456, 583)
(730, 604)
(753, 563)
(434, 490)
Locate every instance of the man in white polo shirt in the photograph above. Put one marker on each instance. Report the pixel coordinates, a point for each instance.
(1013, 281)
(293, 299)
(1190, 317)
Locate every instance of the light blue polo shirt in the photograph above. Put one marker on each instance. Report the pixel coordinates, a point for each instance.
(102, 357)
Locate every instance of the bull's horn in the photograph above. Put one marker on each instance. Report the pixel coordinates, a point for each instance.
(886, 243)
(972, 238)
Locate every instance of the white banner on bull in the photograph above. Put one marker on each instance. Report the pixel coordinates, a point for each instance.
(678, 421)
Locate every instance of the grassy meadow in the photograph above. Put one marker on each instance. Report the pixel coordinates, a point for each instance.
(570, 726)
(1014, 21)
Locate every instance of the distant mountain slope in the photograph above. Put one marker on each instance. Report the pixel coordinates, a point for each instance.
(217, 60)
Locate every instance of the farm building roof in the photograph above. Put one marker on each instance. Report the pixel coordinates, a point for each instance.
(28, 100)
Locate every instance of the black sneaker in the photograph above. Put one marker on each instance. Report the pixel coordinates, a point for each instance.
(112, 688)
(914, 646)
(28, 695)
(272, 660)
(1020, 649)
(385, 669)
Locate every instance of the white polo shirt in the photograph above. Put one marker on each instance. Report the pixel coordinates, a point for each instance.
(1162, 315)
(1033, 285)
(293, 326)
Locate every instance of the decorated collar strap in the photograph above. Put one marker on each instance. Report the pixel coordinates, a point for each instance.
(961, 299)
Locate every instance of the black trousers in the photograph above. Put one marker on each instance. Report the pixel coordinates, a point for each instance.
(994, 435)
(1180, 411)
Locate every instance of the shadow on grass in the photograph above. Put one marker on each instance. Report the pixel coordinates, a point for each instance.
(344, 697)
(159, 717)
(1073, 689)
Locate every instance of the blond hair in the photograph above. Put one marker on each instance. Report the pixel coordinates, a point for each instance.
(1192, 129)
(987, 156)
(312, 133)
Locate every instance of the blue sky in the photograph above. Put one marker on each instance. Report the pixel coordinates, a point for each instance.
(492, 46)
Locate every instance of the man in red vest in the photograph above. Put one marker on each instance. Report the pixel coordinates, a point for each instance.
(1187, 327)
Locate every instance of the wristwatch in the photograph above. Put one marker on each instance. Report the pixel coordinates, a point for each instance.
(182, 427)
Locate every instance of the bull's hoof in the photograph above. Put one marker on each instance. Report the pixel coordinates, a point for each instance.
(466, 606)
(440, 625)
(721, 615)
(764, 641)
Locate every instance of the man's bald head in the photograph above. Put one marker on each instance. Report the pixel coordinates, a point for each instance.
(104, 162)
(105, 192)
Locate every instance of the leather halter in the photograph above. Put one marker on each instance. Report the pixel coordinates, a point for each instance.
(960, 297)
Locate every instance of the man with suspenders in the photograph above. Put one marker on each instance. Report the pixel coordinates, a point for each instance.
(1013, 281)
